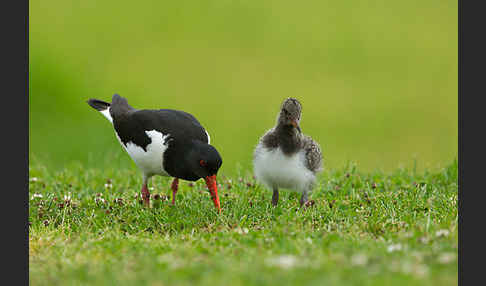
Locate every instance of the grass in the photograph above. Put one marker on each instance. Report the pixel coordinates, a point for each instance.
(87, 227)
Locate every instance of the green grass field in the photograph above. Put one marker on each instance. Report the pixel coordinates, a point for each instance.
(87, 227)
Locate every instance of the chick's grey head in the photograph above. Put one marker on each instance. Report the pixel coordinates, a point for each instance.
(290, 113)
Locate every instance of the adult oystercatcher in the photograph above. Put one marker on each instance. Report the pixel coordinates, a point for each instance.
(163, 142)
(286, 158)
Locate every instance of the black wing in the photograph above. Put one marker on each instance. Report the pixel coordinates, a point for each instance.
(181, 125)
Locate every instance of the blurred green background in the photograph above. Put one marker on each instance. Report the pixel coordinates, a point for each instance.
(377, 79)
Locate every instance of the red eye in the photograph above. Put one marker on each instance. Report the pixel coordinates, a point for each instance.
(202, 163)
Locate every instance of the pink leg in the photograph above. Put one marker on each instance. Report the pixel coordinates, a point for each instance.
(145, 195)
(174, 187)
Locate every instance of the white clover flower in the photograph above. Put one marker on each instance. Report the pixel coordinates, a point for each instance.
(394, 247)
(359, 259)
(447, 257)
(283, 261)
(36, 196)
(241, 230)
(442, 232)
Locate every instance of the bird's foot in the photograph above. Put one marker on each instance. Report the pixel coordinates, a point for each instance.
(145, 196)
(302, 204)
(303, 200)
(146, 201)
(174, 187)
(275, 198)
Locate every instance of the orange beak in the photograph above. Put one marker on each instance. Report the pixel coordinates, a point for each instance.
(213, 189)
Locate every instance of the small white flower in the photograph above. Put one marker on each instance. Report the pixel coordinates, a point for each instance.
(36, 196)
(359, 259)
(442, 232)
(269, 239)
(283, 261)
(33, 179)
(108, 186)
(424, 240)
(394, 247)
(445, 258)
(241, 230)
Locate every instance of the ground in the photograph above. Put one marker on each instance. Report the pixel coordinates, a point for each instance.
(87, 227)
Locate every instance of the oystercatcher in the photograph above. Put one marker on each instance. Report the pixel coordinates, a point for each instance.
(286, 158)
(163, 142)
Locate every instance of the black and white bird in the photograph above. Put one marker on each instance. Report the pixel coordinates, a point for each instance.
(163, 142)
(286, 158)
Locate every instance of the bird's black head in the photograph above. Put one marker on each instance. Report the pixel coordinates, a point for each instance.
(204, 160)
(290, 113)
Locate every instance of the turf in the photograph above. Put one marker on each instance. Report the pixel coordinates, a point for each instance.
(87, 227)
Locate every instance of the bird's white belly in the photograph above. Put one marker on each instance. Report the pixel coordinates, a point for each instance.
(277, 170)
(151, 161)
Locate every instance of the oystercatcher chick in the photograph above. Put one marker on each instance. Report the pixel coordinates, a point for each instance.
(286, 158)
(163, 142)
